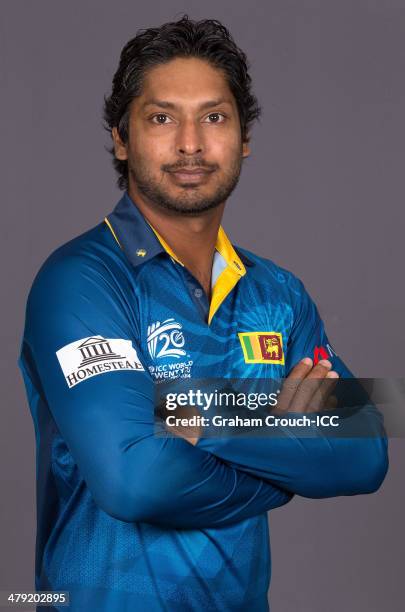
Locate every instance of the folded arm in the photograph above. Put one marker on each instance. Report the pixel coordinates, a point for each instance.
(310, 463)
(107, 418)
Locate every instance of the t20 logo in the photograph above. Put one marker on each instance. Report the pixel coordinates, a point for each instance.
(165, 339)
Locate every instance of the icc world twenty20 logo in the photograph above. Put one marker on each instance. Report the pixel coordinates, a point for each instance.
(165, 339)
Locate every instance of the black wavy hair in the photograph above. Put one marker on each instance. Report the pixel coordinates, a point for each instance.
(207, 39)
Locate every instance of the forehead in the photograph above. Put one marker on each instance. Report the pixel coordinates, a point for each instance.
(185, 79)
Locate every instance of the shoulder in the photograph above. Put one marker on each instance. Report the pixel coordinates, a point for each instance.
(92, 257)
(87, 274)
(83, 284)
(278, 279)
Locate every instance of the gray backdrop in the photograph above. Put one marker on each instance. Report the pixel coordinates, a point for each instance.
(322, 194)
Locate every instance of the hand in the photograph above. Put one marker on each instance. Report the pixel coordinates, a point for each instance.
(308, 388)
(188, 433)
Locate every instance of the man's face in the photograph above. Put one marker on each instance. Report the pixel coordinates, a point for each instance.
(184, 146)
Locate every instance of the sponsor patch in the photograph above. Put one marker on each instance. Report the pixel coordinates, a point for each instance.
(262, 347)
(323, 352)
(96, 355)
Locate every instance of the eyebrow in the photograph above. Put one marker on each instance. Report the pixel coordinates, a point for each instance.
(203, 106)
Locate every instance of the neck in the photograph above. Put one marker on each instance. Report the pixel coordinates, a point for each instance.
(192, 239)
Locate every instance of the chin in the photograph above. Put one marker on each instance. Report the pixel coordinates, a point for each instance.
(189, 209)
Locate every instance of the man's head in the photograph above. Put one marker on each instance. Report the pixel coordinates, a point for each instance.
(180, 114)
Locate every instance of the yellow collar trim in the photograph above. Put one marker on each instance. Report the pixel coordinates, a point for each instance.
(112, 231)
(225, 248)
(228, 278)
(165, 245)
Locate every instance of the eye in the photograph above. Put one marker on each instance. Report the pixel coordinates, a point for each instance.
(161, 119)
(216, 118)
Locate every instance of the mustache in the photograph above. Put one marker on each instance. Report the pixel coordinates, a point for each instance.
(196, 164)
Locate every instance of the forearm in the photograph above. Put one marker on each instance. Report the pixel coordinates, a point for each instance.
(181, 486)
(311, 466)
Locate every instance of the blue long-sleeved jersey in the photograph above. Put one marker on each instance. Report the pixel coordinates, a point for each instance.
(128, 520)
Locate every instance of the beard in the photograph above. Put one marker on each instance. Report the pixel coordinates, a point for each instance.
(190, 201)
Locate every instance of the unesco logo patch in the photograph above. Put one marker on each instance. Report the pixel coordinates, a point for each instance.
(96, 355)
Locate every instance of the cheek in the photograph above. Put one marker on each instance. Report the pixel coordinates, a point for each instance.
(148, 152)
(148, 143)
(227, 149)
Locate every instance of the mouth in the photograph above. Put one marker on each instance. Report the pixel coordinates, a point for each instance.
(195, 175)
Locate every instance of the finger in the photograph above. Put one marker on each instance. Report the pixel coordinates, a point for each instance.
(302, 400)
(331, 403)
(320, 370)
(325, 389)
(291, 383)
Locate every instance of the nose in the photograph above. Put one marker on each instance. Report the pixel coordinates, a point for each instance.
(189, 138)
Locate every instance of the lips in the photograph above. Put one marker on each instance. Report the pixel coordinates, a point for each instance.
(190, 175)
(191, 172)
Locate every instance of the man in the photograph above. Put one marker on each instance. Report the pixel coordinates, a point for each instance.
(128, 520)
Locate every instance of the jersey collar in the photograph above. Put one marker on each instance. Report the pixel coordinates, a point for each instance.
(141, 242)
(132, 232)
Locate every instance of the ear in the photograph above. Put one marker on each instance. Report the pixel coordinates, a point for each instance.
(245, 148)
(120, 147)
